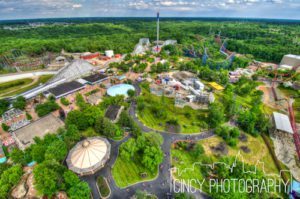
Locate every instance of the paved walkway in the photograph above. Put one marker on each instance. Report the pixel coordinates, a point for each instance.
(161, 185)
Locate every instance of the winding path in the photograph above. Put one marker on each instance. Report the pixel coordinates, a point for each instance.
(159, 186)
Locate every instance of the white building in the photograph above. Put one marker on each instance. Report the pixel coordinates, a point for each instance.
(109, 53)
(290, 61)
(282, 123)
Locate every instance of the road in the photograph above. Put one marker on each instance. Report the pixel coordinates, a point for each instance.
(161, 185)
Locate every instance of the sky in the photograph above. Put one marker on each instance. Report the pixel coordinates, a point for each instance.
(27, 9)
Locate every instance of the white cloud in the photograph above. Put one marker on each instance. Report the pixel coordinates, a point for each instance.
(77, 5)
(68, 8)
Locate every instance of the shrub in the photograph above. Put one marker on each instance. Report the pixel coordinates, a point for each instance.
(5, 127)
(64, 101)
(46, 108)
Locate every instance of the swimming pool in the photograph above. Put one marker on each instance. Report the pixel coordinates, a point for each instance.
(119, 89)
(3, 160)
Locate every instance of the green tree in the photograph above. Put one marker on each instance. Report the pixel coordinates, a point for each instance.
(4, 104)
(71, 179)
(131, 93)
(79, 191)
(9, 178)
(38, 152)
(128, 149)
(78, 119)
(18, 156)
(20, 103)
(57, 150)
(5, 127)
(48, 177)
(216, 114)
(152, 157)
(46, 108)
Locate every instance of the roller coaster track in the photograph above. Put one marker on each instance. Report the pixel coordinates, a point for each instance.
(294, 127)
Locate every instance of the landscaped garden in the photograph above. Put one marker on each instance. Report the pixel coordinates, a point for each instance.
(160, 113)
(103, 187)
(138, 160)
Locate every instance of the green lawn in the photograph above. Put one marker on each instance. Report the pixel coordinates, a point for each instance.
(190, 120)
(258, 152)
(11, 85)
(126, 173)
(42, 79)
(293, 93)
(184, 161)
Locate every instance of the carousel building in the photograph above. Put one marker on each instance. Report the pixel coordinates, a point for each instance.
(89, 156)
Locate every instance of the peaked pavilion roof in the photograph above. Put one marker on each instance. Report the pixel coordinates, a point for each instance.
(89, 155)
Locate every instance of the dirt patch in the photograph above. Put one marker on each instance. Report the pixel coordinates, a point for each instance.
(245, 149)
(173, 128)
(221, 148)
(243, 137)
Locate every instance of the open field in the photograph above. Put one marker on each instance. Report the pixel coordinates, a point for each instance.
(13, 85)
(258, 154)
(190, 120)
(19, 86)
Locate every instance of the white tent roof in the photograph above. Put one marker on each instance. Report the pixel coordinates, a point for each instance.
(282, 122)
(89, 155)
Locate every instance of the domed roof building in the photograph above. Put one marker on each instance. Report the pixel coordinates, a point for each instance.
(89, 155)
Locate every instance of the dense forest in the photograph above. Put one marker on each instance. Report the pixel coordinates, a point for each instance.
(266, 41)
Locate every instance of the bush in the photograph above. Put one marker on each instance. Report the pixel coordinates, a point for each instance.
(46, 108)
(28, 116)
(229, 135)
(4, 104)
(5, 127)
(64, 101)
(20, 103)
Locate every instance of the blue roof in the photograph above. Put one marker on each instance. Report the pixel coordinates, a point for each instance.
(294, 190)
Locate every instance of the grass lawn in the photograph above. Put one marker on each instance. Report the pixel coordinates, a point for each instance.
(190, 120)
(126, 173)
(296, 105)
(259, 152)
(11, 85)
(42, 79)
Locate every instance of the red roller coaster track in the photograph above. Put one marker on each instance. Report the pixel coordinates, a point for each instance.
(294, 127)
(290, 108)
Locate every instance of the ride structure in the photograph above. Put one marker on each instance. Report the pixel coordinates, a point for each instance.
(157, 48)
(294, 127)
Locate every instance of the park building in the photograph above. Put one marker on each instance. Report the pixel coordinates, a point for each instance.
(64, 89)
(24, 136)
(113, 113)
(15, 119)
(89, 156)
(282, 123)
(95, 78)
(290, 62)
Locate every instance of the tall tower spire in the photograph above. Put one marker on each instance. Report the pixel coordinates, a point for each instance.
(157, 34)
